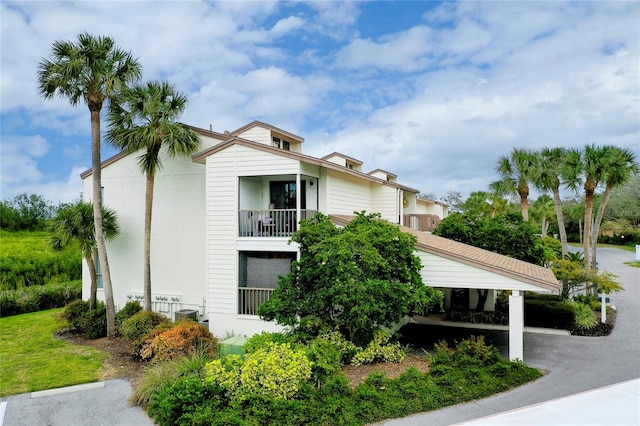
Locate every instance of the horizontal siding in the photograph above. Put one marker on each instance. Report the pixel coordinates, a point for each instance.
(252, 162)
(221, 232)
(257, 134)
(344, 195)
(385, 202)
(441, 272)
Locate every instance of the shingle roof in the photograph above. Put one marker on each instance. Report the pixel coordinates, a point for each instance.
(477, 257)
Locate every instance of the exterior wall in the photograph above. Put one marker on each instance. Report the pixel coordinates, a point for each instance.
(178, 243)
(257, 134)
(223, 244)
(346, 194)
(385, 200)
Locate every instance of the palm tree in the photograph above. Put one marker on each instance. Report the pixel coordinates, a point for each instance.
(588, 169)
(620, 168)
(544, 210)
(92, 71)
(74, 222)
(547, 177)
(515, 174)
(143, 119)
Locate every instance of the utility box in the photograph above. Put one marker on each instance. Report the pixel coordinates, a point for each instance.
(184, 314)
(233, 346)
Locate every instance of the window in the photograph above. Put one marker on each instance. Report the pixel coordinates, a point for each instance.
(286, 146)
(276, 142)
(283, 194)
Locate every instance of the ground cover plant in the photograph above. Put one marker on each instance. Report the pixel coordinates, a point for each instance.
(34, 359)
(229, 390)
(26, 259)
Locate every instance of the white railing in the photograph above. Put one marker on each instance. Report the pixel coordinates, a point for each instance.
(270, 223)
(250, 298)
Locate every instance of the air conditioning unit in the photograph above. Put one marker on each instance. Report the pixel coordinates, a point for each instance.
(183, 314)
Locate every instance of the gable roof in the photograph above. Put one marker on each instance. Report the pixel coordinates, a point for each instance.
(122, 154)
(236, 140)
(476, 257)
(346, 157)
(257, 123)
(382, 171)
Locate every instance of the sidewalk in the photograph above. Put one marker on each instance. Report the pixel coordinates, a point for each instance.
(611, 405)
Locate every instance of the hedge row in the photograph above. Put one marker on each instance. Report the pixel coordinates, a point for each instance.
(39, 298)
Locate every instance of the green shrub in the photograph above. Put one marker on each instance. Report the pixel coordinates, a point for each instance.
(136, 328)
(39, 297)
(74, 311)
(274, 371)
(585, 318)
(469, 352)
(93, 323)
(379, 350)
(130, 308)
(184, 338)
(548, 313)
(189, 400)
(326, 360)
(258, 341)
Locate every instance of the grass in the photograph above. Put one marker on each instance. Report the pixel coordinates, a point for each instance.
(635, 264)
(33, 359)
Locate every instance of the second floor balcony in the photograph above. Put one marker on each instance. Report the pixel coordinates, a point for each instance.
(271, 222)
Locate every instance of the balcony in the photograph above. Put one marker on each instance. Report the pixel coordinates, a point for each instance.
(270, 223)
(421, 222)
(250, 298)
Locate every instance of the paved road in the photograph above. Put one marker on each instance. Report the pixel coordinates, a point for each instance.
(574, 364)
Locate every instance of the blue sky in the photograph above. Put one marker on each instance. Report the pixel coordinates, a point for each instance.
(433, 92)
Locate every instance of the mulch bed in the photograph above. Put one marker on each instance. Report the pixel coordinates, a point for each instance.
(602, 329)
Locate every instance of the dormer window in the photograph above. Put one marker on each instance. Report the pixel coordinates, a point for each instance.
(276, 142)
(286, 146)
(349, 166)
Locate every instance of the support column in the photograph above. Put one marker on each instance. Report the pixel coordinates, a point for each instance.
(516, 326)
(298, 204)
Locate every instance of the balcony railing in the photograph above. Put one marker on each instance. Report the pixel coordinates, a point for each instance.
(270, 223)
(250, 298)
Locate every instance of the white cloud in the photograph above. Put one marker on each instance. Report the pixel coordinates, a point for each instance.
(287, 25)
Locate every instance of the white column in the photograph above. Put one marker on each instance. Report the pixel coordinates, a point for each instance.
(603, 308)
(298, 204)
(516, 326)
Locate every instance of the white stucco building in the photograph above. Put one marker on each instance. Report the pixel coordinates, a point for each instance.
(222, 222)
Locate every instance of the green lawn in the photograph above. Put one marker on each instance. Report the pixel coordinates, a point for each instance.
(33, 359)
(627, 248)
(635, 264)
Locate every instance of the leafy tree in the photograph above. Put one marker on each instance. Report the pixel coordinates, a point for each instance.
(92, 71)
(25, 212)
(516, 172)
(484, 205)
(74, 223)
(620, 168)
(453, 200)
(507, 234)
(143, 119)
(354, 279)
(624, 203)
(574, 277)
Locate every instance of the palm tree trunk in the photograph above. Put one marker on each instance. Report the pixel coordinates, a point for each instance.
(598, 222)
(147, 241)
(588, 208)
(560, 217)
(97, 219)
(93, 298)
(524, 206)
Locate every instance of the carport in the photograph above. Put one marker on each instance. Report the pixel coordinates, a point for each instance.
(451, 264)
